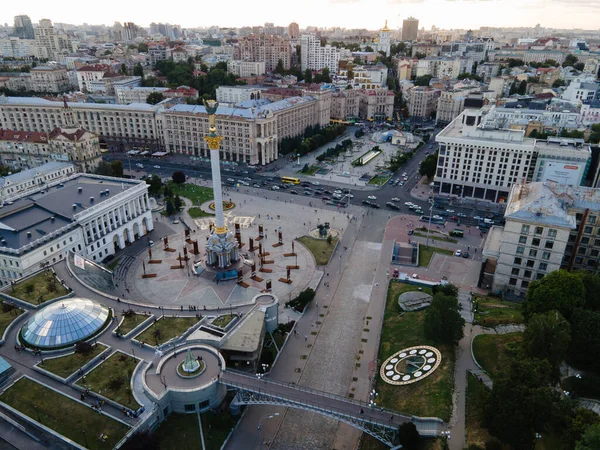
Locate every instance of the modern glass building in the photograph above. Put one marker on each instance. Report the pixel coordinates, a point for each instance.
(65, 322)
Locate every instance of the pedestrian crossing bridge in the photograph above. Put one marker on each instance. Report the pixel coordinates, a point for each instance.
(378, 422)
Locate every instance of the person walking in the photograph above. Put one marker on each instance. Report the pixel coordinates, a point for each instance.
(305, 337)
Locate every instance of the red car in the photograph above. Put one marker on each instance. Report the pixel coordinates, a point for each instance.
(396, 273)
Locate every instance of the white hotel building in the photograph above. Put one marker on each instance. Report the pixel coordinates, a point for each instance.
(477, 160)
(90, 215)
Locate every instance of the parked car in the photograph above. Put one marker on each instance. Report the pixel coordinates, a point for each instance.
(396, 273)
(458, 253)
(372, 197)
(395, 199)
(274, 188)
(465, 255)
(411, 232)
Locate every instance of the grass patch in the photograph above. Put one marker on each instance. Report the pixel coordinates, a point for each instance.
(223, 321)
(431, 397)
(311, 170)
(130, 321)
(166, 329)
(196, 212)
(40, 288)
(370, 443)
(67, 365)
(112, 379)
(379, 180)
(180, 430)
(320, 249)
(436, 236)
(197, 194)
(493, 311)
(8, 313)
(476, 400)
(64, 415)
(491, 352)
(425, 254)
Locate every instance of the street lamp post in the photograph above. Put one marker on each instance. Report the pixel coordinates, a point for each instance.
(266, 416)
(129, 159)
(298, 155)
(430, 216)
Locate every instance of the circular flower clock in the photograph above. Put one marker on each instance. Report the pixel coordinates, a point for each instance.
(410, 365)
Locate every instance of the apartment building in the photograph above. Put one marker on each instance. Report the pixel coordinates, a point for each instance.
(45, 39)
(488, 70)
(534, 239)
(476, 50)
(266, 48)
(425, 49)
(410, 29)
(30, 179)
(119, 126)
(554, 119)
(444, 68)
(13, 47)
(367, 77)
(49, 79)
(111, 81)
(16, 81)
(90, 215)
(404, 69)
(422, 101)
(316, 57)
(88, 73)
(452, 102)
(376, 104)
(237, 94)
(246, 68)
(589, 113)
(581, 90)
(345, 104)
(157, 53)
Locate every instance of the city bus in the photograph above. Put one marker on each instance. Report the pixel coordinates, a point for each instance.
(290, 180)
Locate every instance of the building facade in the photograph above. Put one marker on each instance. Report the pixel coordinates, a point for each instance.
(89, 215)
(48, 79)
(17, 184)
(88, 73)
(410, 29)
(316, 57)
(237, 94)
(246, 68)
(266, 48)
(422, 101)
(376, 104)
(23, 28)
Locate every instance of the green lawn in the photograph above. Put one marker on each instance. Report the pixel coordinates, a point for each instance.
(112, 379)
(490, 350)
(165, 329)
(131, 321)
(196, 212)
(379, 180)
(476, 401)
(493, 311)
(425, 254)
(223, 321)
(64, 415)
(320, 249)
(7, 315)
(311, 170)
(197, 194)
(431, 397)
(181, 431)
(42, 286)
(67, 365)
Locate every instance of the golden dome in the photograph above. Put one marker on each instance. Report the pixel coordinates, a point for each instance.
(385, 28)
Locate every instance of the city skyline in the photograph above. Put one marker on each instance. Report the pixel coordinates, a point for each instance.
(446, 14)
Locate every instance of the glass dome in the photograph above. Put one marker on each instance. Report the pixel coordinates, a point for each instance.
(65, 322)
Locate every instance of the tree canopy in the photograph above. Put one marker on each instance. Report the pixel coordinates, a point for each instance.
(428, 166)
(423, 80)
(559, 290)
(548, 336)
(154, 98)
(178, 177)
(443, 322)
(590, 439)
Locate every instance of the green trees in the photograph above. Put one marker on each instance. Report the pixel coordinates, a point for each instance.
(522, 402)
(429, 166)
(308, 78)
(595, 135)
(560, 290)
(590, 439)
(178, 177)
(548, 336)
(570, 60)
(280, 69)
(443, 322)
(423, 80)
(155, 185)
(368, 48)
(522, 89)
(154, 98)
(112, 169)
(585, 339)
(138, 71)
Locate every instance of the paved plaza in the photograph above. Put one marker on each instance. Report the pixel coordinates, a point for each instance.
(182, 287)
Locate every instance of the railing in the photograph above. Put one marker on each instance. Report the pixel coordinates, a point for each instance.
(302, 400)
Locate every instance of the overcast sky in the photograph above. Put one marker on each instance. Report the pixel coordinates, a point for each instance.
(369, 14)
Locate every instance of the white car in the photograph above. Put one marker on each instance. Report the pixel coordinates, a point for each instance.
(407, 203)
(401, 183)
(457, 253)
(337, 191)
(315, 183)
(437, 217)
(395, 199)
(349, 195)
(404, 174)
(231, 180)
(157, 167)
(449, 210)
(275, 188)
(477, 218)
(372, 197)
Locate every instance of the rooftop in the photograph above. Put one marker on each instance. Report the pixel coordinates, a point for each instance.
(247, 336)
(41, 102)
(23, 136)
(36, 215)
(32, 173)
